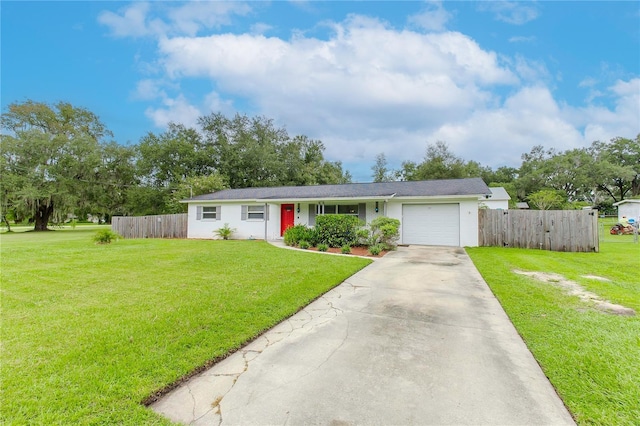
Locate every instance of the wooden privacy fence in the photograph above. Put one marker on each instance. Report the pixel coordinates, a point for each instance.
(158, 226)
(557, 230)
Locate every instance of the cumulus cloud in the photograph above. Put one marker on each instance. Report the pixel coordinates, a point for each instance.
(369, 88)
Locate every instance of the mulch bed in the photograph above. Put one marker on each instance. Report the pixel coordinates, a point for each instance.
(355, 251)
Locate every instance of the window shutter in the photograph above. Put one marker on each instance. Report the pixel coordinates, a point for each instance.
(243, 214)
(312, 215)
(218, 212)
(362, 212)
(198, 212)
(266, 211)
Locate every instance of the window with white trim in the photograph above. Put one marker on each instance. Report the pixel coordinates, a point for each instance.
(352, 209)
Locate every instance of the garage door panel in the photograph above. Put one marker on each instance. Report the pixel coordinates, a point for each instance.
(431, 224)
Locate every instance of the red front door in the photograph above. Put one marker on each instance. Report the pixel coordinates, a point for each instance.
(287, 217)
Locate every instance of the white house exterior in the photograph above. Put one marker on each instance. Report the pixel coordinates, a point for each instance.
(439, 212)
(628, 208)
(497, 200)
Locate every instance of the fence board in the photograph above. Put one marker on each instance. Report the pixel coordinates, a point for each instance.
(156, 226)
(557, 230)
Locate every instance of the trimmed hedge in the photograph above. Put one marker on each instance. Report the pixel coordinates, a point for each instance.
(295, 234)
(337, 230)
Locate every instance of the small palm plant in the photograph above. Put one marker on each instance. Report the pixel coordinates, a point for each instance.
(225, 232)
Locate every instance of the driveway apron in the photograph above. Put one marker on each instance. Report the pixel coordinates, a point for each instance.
(416, 338)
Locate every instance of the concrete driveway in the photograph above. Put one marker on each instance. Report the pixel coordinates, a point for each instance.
(415, 338)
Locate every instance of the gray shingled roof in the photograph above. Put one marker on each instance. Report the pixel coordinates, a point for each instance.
(425, 188)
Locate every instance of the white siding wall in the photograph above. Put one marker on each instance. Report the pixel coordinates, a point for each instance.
(302, 218)
(630, 210)
(468, 218)
(232, 214)
(245, 229)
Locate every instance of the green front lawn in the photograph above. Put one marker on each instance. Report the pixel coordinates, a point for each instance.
(90, 331)
(591, 357)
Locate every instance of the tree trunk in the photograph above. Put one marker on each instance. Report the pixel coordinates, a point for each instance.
(45, 209)
(6, 221)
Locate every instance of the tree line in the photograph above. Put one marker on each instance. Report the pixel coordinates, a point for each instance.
(59, 162)
(597, 176)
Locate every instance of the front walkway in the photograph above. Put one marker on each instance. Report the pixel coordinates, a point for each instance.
(417, 337)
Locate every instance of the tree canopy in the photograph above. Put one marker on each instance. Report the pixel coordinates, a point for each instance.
(53, 163)
(59, 161)
(599, 175)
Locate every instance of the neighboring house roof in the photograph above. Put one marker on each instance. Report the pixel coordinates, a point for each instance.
(426, 188)
(499, 194)
(522, 205)
(626, 201)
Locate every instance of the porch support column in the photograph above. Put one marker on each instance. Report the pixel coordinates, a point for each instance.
(266, 218)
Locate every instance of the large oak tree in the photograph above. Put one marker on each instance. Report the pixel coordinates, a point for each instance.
(51, 160)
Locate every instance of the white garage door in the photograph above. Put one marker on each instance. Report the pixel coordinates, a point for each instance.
(431, 224)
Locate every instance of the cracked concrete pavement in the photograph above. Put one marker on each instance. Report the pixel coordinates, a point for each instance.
(417, 337)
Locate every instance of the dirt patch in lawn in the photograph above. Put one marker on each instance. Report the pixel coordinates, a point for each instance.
(575, 289)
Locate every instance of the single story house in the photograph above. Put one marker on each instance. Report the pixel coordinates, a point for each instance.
(498, 199)
(435, 212)
(628, 208)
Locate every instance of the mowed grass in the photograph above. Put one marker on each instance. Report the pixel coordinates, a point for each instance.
(90, 331)
(591, 357)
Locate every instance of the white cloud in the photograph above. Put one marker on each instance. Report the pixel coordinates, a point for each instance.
(433, 18)
(370, 88)
(511, 12)
(193, 16)
(148, 89)
(176, 110)
(361, 91)
(260, 28)
(137, 20)
(132, 22)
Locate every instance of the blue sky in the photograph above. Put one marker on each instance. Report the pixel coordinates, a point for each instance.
(492, 79)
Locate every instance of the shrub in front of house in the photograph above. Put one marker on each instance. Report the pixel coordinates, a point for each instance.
(345, 249)
(385, 231)
(363, 236)
(323, 247)
(295, 234)
(304, 244)
(375, 249)
(337, 230)
(225, 232)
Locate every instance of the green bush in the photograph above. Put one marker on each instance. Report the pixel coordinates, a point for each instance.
(105, 236)
(385, 231)
(345, 249)
(375, 249)
(337, 230)
(225, 232)
(297, 233)
(304, 244)
(362, 237)
(323, 247)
